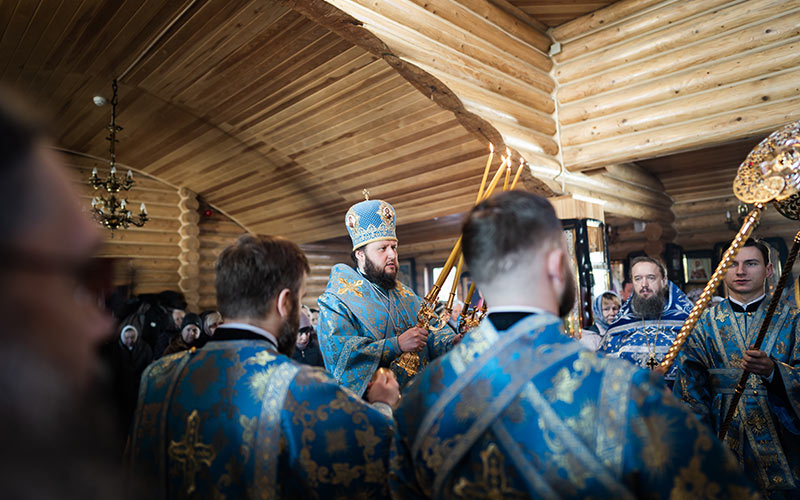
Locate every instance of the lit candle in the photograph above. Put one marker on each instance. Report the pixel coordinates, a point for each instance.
(94, 172)
(130, 174)
(94, 202)
(495, 179)
(122, 205)
(113, 170)
(143, 209)
(519, 171)
(486, 172)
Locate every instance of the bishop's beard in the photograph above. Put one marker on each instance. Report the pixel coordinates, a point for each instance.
(653, 307)
(379, 276)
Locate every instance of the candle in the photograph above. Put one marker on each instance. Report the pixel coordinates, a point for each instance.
(130, 174)
(94, 202)
(468, 300)
(508, 170)
(453, 288)
(113, 170)
(122, 205)
(486, 172)
(94, 172)
(495, 179)
(519, 171)
(143, 209)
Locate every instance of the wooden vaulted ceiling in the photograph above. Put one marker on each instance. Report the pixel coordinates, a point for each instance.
(268, 116)
(280, 121)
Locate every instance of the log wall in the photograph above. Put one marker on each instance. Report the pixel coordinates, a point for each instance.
(640, 79)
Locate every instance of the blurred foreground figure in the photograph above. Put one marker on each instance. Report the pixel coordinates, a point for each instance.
(52, 438)
(520, 410)
(238, 418)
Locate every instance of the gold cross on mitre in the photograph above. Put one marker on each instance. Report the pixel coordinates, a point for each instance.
(190, 453)
(365, 192)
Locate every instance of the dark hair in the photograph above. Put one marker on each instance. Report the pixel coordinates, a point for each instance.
(660, 265)
(253, 271)
(20, 129)
(504, 225)
(764, 249)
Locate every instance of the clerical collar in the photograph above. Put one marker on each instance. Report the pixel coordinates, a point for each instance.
(748, 307)
(504, 317)
(251, 328)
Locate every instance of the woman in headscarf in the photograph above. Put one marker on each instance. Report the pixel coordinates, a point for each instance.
(604, 310)
(188, 335)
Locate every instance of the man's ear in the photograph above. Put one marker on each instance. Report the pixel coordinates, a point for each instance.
(554, 264)
(284, 303)
(360, 257)
(770, 270)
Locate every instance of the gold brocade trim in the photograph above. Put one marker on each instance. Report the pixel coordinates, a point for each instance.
(190, 453)
(493, 482)
(350, 287)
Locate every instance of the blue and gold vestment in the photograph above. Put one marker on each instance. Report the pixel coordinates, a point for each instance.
(236, 419)
(632, 339)
(359, 324)
(530, 413)
(764, 431)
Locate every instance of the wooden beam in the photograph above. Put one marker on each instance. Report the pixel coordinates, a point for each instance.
(602, 18)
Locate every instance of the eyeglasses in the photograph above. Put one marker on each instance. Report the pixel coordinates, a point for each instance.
(94, 275)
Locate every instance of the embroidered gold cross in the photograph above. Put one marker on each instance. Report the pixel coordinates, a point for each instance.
(493, 482)
(190, 453)
(351, 287)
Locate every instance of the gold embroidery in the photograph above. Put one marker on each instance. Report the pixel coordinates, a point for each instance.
(190, 453)
(350, 287)
(493, 482)
(335, 441)
(261, 358)
(403, 291)
(474, 399)
(259, 383)
(248, 435)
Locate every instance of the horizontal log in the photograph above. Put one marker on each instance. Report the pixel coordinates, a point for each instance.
(753, 93)
(600, 19)
(704, 132)
(662, 15)
(688, 209)
(697, 222)
(119, 249)
(634, 175)
(761, 48)
(674, 36)
(517, 24)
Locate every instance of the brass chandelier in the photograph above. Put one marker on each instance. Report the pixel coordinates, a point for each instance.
(112, 211)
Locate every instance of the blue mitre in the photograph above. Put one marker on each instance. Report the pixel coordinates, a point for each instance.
(370, 220)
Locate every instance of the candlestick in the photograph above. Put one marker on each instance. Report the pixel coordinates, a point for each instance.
(453, 288)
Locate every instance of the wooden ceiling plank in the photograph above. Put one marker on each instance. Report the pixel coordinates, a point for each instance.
(18, 27)
(195, 24)
(207, 41)
(333, 58)
(273, 98)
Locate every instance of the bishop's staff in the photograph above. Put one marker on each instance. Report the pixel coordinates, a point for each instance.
(771, 172)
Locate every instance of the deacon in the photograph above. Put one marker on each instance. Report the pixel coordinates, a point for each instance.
(368, 319)
(764, 432)
(520, 410)
(649, 321)
(238, 418)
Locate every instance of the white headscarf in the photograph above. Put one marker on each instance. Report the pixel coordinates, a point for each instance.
(122, 336)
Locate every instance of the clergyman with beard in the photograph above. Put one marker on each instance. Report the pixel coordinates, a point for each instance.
(649, 320)
(237, 417)
(520, 410)
(367, 319)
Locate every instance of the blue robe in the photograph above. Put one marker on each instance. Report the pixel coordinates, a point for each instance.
(236, 419)
(359, 324)
(530, 413)
(626, 339)
(765, 440)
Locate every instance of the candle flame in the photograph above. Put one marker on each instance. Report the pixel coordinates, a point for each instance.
(491, 147)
